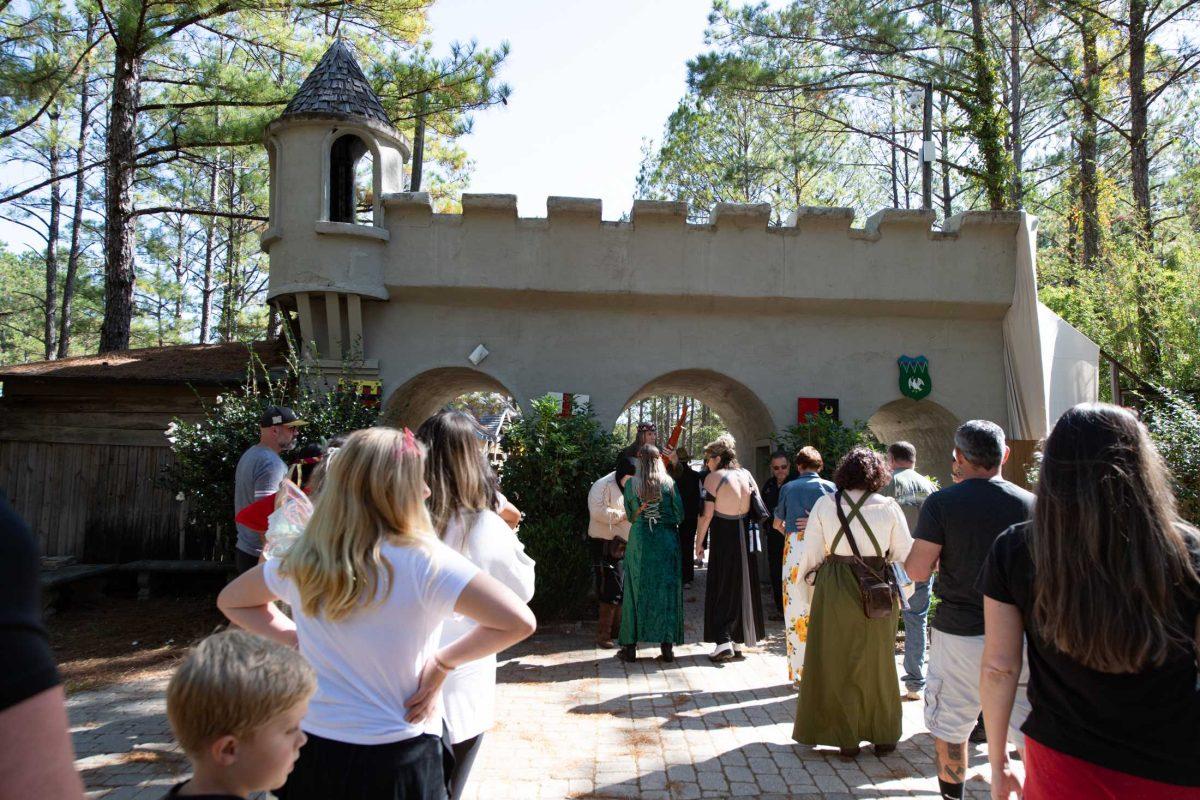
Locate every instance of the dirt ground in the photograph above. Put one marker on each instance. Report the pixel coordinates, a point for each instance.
(116, 639)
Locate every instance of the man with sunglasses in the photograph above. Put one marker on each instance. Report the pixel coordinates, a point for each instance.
(781, 473)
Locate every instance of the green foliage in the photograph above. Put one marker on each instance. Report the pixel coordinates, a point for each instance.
(207, 451)
(552, 463)
(1174, 424)
(831, 437)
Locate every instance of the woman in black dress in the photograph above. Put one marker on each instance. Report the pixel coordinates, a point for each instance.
(732, 605)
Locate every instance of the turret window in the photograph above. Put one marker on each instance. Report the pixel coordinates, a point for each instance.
(351, 181)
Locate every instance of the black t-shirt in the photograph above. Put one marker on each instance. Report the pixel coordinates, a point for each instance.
(688, 482)
(26, 664)
(965, 519)
(770, 491)
(1145, 724)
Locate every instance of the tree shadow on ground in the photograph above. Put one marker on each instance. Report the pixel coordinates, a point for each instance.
(685, 709)
(775, 771)
(792, 772)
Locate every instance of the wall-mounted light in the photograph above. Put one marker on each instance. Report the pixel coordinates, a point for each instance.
(478, 354)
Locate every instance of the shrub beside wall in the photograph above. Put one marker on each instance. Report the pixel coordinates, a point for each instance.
(552, 463)
(207, 451)
(831, 437)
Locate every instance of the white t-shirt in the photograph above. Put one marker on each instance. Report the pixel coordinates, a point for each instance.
(368, 664)
(469, 693)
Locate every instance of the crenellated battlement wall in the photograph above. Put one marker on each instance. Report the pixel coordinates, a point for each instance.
(896, 263)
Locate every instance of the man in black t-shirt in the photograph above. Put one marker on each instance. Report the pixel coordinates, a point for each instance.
(36, 759)
(954, 534)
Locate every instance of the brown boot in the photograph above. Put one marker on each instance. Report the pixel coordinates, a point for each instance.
(604, 626)
(616, 623)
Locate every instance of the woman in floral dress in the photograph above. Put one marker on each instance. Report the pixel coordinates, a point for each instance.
(796, 499)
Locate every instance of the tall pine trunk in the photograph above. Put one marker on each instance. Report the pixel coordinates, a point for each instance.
(85, 122)
(118, 201)
(1089, 189)
(206, 288)
(1139, 176)
(50, 321)
(987, 124)
(1014, 78)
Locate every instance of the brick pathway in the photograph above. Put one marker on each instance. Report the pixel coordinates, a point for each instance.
(577, 723)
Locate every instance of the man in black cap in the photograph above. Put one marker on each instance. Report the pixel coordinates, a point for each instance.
(260, 470)
(627, 458)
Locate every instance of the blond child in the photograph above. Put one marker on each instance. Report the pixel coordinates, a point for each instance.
(235, 705)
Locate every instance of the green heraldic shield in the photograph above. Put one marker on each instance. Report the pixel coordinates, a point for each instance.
(914, 377)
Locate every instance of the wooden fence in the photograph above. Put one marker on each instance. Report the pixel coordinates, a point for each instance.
(98, 502)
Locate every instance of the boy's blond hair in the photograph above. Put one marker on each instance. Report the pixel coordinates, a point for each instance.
(233, 683)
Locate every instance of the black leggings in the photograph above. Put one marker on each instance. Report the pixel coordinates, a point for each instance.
(464, 759)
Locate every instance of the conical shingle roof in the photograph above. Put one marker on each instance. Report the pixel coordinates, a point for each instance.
(337, 87)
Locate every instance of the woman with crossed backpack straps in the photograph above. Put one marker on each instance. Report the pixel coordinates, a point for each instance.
(848, 694)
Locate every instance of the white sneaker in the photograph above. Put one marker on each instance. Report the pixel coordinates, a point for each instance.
(723, 652)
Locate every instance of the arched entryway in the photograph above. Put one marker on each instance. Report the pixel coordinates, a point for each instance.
(743, 413)
(420, 396)
(926, 425)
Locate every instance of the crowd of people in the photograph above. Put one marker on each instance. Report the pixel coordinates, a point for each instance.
(1067, 624)
(381, 575)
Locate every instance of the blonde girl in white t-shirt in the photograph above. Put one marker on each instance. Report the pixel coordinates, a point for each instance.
(370, 586)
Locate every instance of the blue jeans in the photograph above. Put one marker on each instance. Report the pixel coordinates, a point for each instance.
(914, 636)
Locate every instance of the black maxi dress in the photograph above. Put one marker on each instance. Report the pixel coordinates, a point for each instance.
(732, 604)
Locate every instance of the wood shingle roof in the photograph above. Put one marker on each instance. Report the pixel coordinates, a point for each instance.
(337, 87)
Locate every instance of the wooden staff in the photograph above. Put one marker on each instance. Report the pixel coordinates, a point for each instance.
(675, 434)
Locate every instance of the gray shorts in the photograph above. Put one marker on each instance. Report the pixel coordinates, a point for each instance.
(952, 702)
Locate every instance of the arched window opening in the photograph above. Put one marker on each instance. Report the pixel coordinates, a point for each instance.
(351, 181)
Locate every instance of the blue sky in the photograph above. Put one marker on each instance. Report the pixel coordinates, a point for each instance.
(590, 81)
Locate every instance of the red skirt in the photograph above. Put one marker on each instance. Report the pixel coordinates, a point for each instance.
(1051, 775)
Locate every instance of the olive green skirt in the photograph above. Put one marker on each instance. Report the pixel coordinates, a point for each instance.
(850, 692)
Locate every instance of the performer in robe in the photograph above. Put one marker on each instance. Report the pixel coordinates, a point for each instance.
(652, 610)
(732, 604)
(626, 464)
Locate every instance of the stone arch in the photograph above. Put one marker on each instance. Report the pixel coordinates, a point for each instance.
(740, 409)
(927, 425)
(422, 395)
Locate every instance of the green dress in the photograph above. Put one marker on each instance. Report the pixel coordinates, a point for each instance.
(849, 693)
(652, 610)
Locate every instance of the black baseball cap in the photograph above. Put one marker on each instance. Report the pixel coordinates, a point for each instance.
(280, 415)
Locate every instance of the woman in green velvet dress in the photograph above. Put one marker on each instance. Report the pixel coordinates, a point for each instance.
(653, 607)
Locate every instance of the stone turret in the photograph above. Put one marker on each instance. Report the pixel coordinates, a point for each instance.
(333, 155)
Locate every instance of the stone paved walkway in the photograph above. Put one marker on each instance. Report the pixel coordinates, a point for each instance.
(577, 723)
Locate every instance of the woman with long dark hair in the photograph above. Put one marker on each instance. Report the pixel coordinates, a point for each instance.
(849, 692)
(652, 610)
(1104, 585)
(463, 504)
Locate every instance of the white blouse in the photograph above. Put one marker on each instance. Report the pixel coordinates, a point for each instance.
(883, 514)
(469, 693)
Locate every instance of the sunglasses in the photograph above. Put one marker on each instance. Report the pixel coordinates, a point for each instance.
(779, 469)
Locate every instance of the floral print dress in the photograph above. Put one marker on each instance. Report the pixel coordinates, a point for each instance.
(797, 600)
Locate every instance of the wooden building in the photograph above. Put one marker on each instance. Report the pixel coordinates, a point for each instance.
(83, 445)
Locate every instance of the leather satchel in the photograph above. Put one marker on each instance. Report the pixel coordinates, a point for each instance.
(876, 583)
